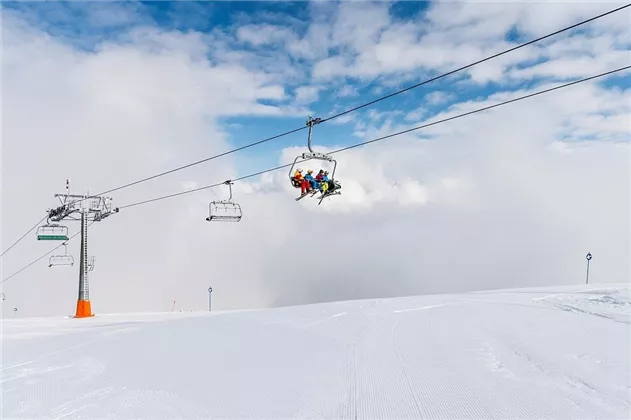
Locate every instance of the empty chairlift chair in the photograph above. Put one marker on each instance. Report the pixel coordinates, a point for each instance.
(225, 210)
(52, 232)
(61, 260)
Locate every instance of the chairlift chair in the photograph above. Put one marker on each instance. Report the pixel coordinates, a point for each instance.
(225, 210)
(318, 156)
(60, 260)
(52, 232)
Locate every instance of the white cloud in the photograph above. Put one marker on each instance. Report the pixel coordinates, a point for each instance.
(347, 90)
(258, 35)
(438, 97)
(574, 67)
(104, 119)
(451, 35)
(307, 94)
(490, 201)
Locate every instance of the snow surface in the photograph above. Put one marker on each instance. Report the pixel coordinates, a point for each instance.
(554, 353)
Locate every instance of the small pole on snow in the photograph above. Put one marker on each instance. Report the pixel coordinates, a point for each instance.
(210, 291)
(588, 257)
(15, 311)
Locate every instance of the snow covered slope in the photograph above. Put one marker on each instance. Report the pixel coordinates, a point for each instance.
(531, 354)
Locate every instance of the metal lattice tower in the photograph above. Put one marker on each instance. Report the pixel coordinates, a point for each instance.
(83, 208)
(84, 289)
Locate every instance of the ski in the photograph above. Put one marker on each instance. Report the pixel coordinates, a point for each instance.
(306, 194)
(310, 194)
(328, 194)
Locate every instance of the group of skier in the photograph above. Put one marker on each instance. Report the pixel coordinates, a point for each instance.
(309, 184)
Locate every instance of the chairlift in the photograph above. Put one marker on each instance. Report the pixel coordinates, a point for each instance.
(225, 210)
(52, 232)
(61, 260)
(333, 187)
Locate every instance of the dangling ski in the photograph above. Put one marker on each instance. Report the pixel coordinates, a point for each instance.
(307, 194)
(328, 193)
(323, 196)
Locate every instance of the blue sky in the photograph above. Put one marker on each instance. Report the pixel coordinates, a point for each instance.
(88, 26)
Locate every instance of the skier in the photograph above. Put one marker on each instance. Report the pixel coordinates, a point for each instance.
(325, 182)
(310, 180)
(298, 181)
(318, 179)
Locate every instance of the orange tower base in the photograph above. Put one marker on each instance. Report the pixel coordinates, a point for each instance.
(84, 309)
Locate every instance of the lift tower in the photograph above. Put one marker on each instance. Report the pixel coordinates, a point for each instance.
(84, 208)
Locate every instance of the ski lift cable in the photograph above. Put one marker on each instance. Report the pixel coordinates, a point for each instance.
(475, 63)
(486, 108)
(43, 256)
(23, 236)
(347, 148)
(350, 110)
(371, 102)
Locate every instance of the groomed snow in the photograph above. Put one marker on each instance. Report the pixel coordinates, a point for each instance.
(553, 353)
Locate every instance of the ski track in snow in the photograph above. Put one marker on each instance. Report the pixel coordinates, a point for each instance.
(548, 353)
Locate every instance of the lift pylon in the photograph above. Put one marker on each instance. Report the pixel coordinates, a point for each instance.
(83, 208)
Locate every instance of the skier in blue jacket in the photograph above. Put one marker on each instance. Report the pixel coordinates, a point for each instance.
(310, 180)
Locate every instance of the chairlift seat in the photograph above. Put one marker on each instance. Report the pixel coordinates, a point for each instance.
(52, 237)
(224, 211)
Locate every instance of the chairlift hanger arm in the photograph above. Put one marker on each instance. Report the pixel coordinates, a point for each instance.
(312, 154)
(310, 123)
(229, 183)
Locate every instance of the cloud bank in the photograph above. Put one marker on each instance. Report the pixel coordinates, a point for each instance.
(513, 197)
